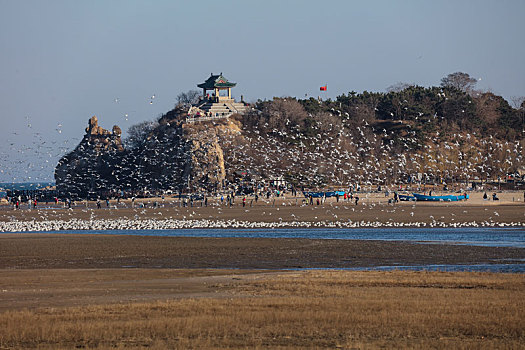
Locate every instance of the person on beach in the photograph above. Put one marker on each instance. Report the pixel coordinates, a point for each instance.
(243, 201)
(98, 204)
(396, 198)
(356, 200)
(485, 197)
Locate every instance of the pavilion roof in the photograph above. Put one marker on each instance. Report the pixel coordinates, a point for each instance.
(216, 81)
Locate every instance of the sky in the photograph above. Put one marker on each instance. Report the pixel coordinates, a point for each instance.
(62, 62)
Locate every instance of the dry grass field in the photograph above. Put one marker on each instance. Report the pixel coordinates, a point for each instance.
(288, 310)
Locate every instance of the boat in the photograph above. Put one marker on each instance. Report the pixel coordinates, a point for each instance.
(334, 193)
(447, 198)
(406, 198)
(313, 194)
(323, 194)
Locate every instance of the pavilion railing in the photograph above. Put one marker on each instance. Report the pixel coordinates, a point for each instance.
(205, 118)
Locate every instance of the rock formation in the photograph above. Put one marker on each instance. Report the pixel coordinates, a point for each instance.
(205, 167)
(172, 156)
(93, 166)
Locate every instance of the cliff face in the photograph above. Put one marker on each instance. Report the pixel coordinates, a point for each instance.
(205, 166)
(173, 156)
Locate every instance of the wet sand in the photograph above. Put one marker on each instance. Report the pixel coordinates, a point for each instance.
(61, 270)
(71, 251)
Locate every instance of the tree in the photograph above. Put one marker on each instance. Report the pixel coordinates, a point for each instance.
(188, 98)
(518, 102)
(397, 87)
(459, 80)
(138, 134)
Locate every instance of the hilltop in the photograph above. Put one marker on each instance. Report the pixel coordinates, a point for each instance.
(436, 134)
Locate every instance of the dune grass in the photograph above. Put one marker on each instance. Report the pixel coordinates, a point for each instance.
(315, 309)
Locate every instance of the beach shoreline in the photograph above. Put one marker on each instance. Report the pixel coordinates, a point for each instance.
(372, 210)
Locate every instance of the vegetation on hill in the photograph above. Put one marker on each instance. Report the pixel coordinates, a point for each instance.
(450, 133)
(435, 134)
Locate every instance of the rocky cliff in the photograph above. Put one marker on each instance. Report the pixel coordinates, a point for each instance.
(205, 166)
(94, 164)
(172, 156)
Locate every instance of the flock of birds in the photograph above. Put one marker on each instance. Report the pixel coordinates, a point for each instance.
(340, 152)
(341, 155)
(30, 154)
(173, 224)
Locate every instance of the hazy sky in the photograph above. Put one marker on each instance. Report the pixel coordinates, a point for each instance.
(62, 62)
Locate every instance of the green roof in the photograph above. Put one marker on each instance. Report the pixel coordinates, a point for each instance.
(216, 81)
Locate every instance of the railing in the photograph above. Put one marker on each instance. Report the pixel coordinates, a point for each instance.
(205, 118)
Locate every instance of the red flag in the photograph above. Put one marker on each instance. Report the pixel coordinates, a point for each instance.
(323, 88)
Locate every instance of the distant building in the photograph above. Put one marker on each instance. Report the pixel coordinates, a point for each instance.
(216, 101)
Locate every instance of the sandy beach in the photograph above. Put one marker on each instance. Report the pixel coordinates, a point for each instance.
(372, 208)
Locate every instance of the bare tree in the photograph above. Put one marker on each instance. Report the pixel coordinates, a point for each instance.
(459, 80)
(518, 102)
(138, 134)
(188, 98)
(399, 86)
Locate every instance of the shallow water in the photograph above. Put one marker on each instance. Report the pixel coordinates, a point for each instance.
(478, 236)
(502, 268)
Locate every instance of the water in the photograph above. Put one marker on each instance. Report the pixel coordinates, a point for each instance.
(481, 236)
(502, 268)
(475, 236)
(22, 186)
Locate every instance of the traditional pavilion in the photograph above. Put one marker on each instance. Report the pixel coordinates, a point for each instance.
(220, 103)
(221, 88)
